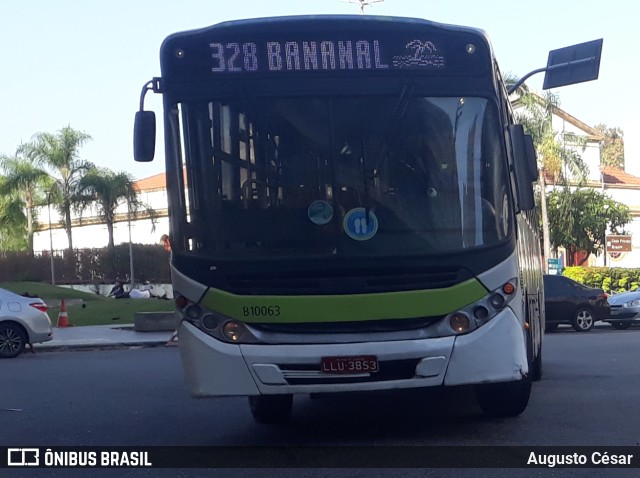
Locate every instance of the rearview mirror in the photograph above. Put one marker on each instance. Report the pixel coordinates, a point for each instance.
(144, 136)
(573, 64)
(522, 167)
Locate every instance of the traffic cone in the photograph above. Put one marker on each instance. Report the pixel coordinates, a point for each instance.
(63, 320)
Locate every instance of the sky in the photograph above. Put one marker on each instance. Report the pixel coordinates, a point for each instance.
(83, 63)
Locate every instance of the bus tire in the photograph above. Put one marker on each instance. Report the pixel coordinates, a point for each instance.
(536, 367)
(535, 364)
(271, 408)
(504, 399)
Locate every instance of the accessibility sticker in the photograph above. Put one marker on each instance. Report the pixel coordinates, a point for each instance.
(358, 226)
(320, 212)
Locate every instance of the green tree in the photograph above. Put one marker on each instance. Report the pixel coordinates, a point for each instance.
(107, 190)
(25, 180)
(612, 146)
(60, 152)
(579, 220)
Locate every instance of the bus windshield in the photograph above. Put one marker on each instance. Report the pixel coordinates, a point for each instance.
(374, 176)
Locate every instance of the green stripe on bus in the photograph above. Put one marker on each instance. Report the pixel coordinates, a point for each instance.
(344, 308)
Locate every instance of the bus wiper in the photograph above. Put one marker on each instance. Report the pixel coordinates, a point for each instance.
(402, 104)
(398, 112)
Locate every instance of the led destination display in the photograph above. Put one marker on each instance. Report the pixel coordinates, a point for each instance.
(322, 55)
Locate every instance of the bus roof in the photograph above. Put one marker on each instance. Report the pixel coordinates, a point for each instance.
(330, 21)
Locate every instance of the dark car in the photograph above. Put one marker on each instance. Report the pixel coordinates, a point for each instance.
(569, 302)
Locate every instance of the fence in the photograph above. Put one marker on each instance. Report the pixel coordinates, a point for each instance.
(83, 266)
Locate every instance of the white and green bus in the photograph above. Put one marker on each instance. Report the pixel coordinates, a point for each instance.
(351, 209)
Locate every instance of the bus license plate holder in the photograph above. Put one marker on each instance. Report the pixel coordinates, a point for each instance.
(349, 365)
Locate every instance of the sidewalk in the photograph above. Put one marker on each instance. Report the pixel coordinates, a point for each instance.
(102, 336)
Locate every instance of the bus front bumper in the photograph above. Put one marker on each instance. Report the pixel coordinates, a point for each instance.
(494, 352)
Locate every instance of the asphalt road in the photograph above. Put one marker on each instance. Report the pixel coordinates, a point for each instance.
(137, 397)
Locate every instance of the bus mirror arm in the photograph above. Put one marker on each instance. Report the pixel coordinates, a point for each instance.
(144, 129)
(521, 81)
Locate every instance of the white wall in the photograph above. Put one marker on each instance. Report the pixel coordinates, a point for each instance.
(96, 235)
(590, 155)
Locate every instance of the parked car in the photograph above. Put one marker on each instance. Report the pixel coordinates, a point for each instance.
(569, 302)
(625, 309)
(23, 320)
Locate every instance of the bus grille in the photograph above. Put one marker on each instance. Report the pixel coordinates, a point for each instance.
(367, 326)
(341, 282)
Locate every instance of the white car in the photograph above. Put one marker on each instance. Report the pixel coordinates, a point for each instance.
(23, 320)
(625, 309)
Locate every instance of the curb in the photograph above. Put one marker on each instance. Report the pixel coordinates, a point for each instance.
(96, 346)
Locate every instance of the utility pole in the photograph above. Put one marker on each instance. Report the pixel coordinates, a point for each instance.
(363, 3)
(130, 244)
(53, 274)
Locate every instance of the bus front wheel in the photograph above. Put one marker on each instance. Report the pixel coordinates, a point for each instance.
(504, 399)
(271, 408)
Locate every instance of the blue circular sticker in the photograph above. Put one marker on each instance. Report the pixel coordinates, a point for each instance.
(358, 227)
(320, 212)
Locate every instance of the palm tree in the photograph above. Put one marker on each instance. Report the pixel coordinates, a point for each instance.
(26, 181)
(12, 221)
(106, 190)
(555, 158)
(60, 152)
(556, 154)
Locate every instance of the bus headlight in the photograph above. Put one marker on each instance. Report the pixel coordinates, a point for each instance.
(497, 301)
(193, 312)
(459, 322)
(213, 323)
(479, 313)
(210, 322)
(233, 330)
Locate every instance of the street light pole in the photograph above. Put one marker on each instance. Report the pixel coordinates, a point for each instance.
(606, 208)
(53, 274)
(130, 243)
(363, 3)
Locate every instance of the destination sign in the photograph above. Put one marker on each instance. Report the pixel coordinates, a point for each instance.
(317, 47)
(327, 55)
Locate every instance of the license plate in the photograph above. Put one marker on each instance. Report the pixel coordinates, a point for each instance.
(350, 365)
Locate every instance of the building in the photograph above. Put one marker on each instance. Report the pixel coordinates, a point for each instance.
(620, 185)
(90, 232)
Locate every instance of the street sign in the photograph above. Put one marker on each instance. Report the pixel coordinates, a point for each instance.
(554, 266)
(618, 243)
